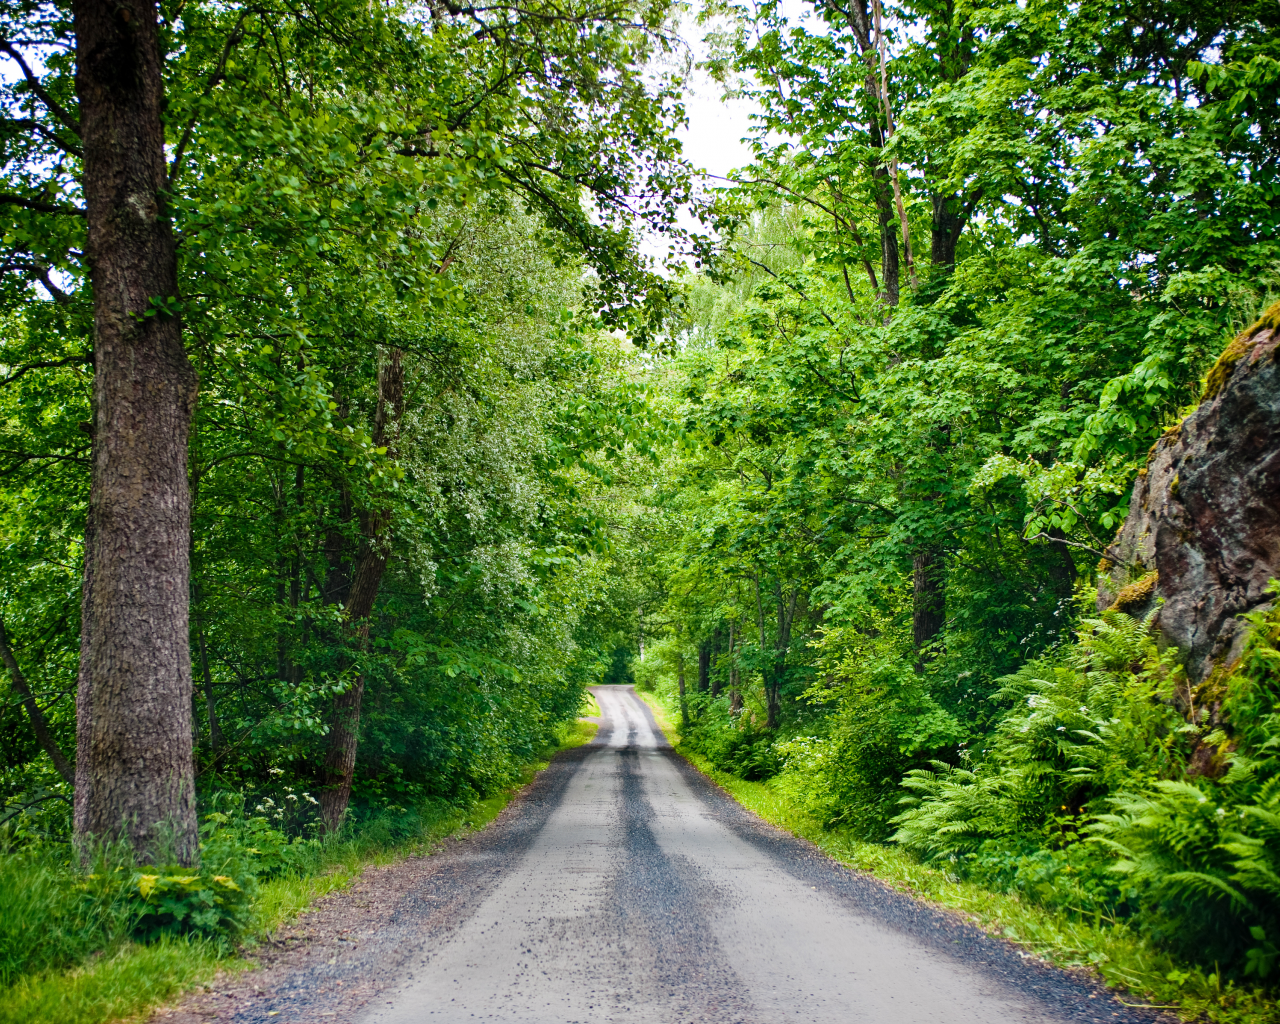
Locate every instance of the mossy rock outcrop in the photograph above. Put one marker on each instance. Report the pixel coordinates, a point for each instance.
(1203, 530)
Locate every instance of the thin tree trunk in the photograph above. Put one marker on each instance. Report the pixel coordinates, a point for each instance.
(735, 697)
(344, 720)
(704, 666)
(786, 619)
(210, 702)
(197, 606)
(764, 670)
(928, 613)
(714, 669)
(888, 134)
(684, 704)
(883, 188)
(136, 683)
(39, 724)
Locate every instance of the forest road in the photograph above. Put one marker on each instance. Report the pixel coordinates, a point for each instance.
(633, 889)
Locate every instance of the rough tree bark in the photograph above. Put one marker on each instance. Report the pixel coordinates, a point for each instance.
(135, 761)
(39, 724)
(371, 565)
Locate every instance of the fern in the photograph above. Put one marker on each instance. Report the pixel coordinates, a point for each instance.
(1090, 746)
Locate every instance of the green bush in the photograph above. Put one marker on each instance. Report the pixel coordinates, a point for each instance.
(1205, 853)
(733, 746)
(1079, 726)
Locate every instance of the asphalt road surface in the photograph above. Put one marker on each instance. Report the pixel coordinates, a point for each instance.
(629, 888)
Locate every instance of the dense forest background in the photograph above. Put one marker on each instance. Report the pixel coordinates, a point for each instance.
(834, 483)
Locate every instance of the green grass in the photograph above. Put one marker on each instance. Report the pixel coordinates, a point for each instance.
(1142, 975)
(129, 979)
(124, 983)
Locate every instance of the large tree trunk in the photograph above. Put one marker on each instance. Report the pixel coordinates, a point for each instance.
(136, 682)
(39, 724)
(344, 720)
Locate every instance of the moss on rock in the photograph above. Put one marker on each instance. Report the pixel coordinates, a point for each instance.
(1221, 370)
(1136, 594)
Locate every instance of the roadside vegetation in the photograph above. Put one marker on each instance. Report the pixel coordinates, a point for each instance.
(908, 432)
(115, 943)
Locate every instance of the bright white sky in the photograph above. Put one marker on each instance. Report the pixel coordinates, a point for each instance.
(713, 140)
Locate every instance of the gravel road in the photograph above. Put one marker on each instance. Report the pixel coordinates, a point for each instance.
(624, 886)
(647, 896)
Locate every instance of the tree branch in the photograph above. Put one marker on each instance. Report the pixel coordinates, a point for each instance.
(51, 136)
(47, 365)
(36, 204)
(236, 34)
(53, 106)
(39, 724)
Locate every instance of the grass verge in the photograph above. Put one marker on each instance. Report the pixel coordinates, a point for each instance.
(132, 979)
(1142, 974)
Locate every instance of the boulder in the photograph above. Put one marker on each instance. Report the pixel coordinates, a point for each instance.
(1203, 530)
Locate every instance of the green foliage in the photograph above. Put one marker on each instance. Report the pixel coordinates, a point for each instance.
(122, 983)
(743, 752)
(1204, 854)
(1083, 800)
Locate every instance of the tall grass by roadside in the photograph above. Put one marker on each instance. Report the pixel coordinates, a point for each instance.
(68, 947)
(1125, 960)
(53, 916)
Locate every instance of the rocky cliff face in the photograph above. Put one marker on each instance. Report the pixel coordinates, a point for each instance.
(1203, 530)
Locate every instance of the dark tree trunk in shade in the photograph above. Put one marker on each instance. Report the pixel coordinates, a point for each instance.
(717, 639)
(39, 724)
(1063, 568)
(704, 666)
(371, 565)
(735, 697)
(684, 704)
(928, 613)
(135, 764)
(948, 223)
